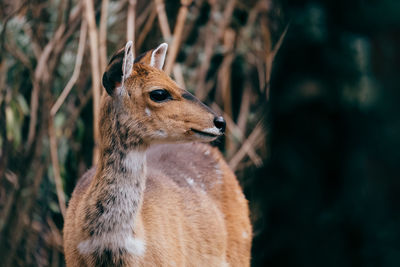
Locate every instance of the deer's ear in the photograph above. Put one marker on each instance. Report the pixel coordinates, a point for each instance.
(128, 62)
(158, 56)
(119, 69)
(155, 57)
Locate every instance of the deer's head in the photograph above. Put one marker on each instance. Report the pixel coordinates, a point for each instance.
(153, 104)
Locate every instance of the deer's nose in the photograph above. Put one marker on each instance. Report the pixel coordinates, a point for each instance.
(220, 123)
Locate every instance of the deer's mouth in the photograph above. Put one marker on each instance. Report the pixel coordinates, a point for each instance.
(205, 134)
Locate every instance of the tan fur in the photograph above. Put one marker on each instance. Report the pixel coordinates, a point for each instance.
(189, 210)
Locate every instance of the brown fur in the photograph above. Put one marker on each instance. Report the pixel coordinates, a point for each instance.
(187, 208)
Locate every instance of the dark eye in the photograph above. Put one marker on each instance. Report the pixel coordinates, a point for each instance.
(160, 95)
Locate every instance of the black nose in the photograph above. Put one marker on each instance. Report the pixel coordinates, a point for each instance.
(220, 123)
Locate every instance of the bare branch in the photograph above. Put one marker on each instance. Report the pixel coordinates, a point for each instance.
(94, 60)
(270, 59)
(166, 32)
(182, 14)
(163, 20)
(103, 35)
(75, 73)
(146, 29)
(56, 168)
(237, 133)
(42, 75)
(252, 140)
(130, 22)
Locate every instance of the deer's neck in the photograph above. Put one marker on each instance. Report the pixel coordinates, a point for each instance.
(116, 193)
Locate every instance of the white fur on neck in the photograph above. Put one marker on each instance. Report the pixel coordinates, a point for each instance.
(135, 161)
(114, 242)
(119, 215)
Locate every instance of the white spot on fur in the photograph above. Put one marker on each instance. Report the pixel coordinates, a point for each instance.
(245, 235)
(147, 111)
(190, 181)
(218, 171)
(161, 133)
(121, 90)
(213, 130)
(135, 161)
(113, 241)
(207, 152)
(239, 193)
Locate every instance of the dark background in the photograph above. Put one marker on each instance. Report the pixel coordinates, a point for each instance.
(329, 191)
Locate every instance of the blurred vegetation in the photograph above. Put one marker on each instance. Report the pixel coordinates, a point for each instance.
(309, 90)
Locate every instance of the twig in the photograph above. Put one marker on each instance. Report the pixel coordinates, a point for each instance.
(56, 235)
(19, 55)
(42, 75)
(270, 59)
(163, 20)
(53, 111)
(5, 22)
(75, 73)
(244, 108)
(146, 29)
(166, 32)
(182, 14)
(212, 38)
(130, 23)
(94, 60)
(103, 35)
(144, 14)
(223, 92)
(71, 122)
(178, 75)
(237, 133)
(56, 168)
(251, 140)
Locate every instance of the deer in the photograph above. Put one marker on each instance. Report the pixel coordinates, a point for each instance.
(160, 194)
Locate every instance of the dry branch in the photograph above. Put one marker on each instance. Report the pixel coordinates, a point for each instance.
(75, 73)
(130, 23)
(146, 29)
(103, 35)
(211, 40)
(94, 60)
(166, 32)
(53, 111)
(42, 74)
(251, 141)
(163, 20)
(270, 59)
(237, 133)
(56, 168)
(182, 14)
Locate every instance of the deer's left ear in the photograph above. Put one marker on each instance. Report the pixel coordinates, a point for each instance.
(127, 64)
(158, 56)
(119, 69)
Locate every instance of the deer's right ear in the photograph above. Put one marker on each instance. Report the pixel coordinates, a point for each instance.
(119, 69)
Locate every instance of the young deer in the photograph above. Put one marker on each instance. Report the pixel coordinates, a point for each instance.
(182, 206)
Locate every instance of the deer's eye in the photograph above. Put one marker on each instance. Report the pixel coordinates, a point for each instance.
(160, 95)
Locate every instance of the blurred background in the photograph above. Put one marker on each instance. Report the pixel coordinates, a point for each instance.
(309, 90)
